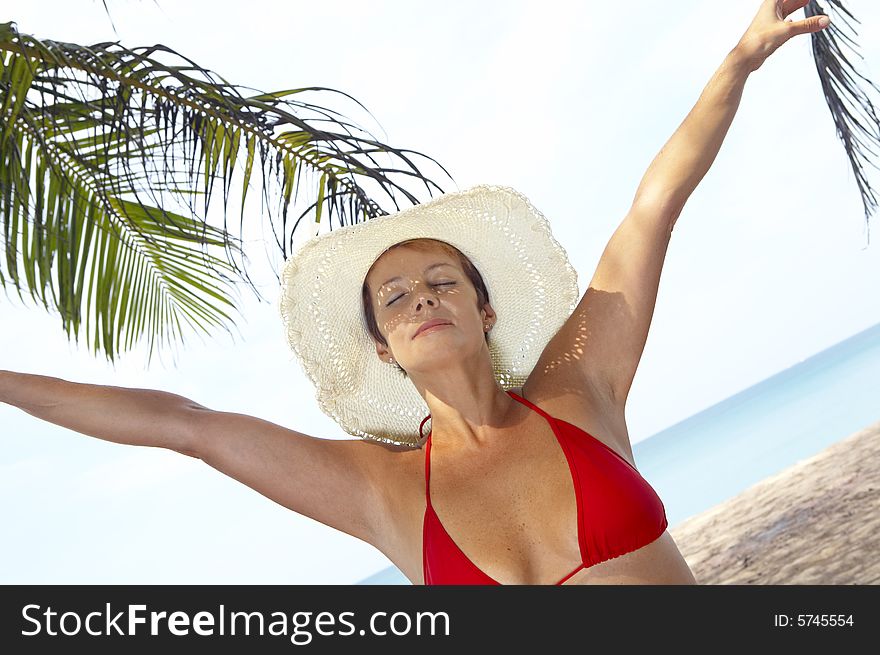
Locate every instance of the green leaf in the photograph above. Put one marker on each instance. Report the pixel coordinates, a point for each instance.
(108, 160)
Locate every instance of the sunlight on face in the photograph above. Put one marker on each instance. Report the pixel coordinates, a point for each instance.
(409, 286)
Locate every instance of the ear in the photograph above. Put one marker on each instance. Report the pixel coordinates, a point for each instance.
(382, 352)
(488, 314)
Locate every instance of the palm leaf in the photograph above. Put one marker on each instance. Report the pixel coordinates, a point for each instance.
(109, 161)
(854, 117)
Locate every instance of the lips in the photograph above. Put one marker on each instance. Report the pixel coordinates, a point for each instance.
(429, 324)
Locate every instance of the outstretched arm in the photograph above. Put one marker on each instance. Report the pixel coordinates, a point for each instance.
(597, 350)
(689, 153)
(138, 417)
(339, 482)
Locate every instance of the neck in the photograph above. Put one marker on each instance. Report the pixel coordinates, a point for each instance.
(466, 410)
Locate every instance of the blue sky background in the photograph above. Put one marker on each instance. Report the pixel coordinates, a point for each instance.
(568, 103)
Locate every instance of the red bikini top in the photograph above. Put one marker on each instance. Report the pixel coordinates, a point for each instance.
(617, 510)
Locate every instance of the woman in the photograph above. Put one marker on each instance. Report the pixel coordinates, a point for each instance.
(462, 306)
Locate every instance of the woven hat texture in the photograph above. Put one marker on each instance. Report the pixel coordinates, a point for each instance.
(531, 283)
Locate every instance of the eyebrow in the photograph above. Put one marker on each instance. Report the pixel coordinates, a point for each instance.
(435, 265)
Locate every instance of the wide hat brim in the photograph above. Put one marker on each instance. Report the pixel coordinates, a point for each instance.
(531, 283)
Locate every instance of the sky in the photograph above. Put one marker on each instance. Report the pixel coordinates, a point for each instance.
(568, 103)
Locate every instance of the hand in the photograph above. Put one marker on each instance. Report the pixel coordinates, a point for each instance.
(768, 30)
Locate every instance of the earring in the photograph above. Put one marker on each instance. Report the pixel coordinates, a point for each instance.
(391, 361)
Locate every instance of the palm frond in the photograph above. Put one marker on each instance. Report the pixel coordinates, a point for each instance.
(854, 116)
(110, 158)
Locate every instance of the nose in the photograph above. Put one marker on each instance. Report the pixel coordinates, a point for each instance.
(424, 296)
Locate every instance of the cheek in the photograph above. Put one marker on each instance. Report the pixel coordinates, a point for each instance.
(390, 321)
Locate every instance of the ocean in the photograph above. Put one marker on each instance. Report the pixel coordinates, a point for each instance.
(729, 446)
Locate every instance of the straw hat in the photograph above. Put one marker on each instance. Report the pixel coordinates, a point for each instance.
(532, 288)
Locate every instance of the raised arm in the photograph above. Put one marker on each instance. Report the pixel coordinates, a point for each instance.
(689, 153)
(337, 482)
(599, 347)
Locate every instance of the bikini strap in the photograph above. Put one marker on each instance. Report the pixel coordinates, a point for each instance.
(529, 403)
(427, 461)
(428, 441)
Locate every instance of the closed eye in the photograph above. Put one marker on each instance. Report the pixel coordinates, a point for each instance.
(396, 298)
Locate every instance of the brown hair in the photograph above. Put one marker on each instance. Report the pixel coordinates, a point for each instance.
(423, 244)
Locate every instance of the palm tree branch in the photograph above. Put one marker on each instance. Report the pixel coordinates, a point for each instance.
(152, 247)
(858, 131)
(98, 141)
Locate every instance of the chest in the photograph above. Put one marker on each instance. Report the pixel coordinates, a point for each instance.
(512, 511)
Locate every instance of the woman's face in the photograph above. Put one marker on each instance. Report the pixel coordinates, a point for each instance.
(409, 287)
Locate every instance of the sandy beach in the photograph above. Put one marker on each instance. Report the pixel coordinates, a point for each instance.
(816, 522)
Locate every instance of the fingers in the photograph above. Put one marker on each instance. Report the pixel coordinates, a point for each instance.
(811, 24)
